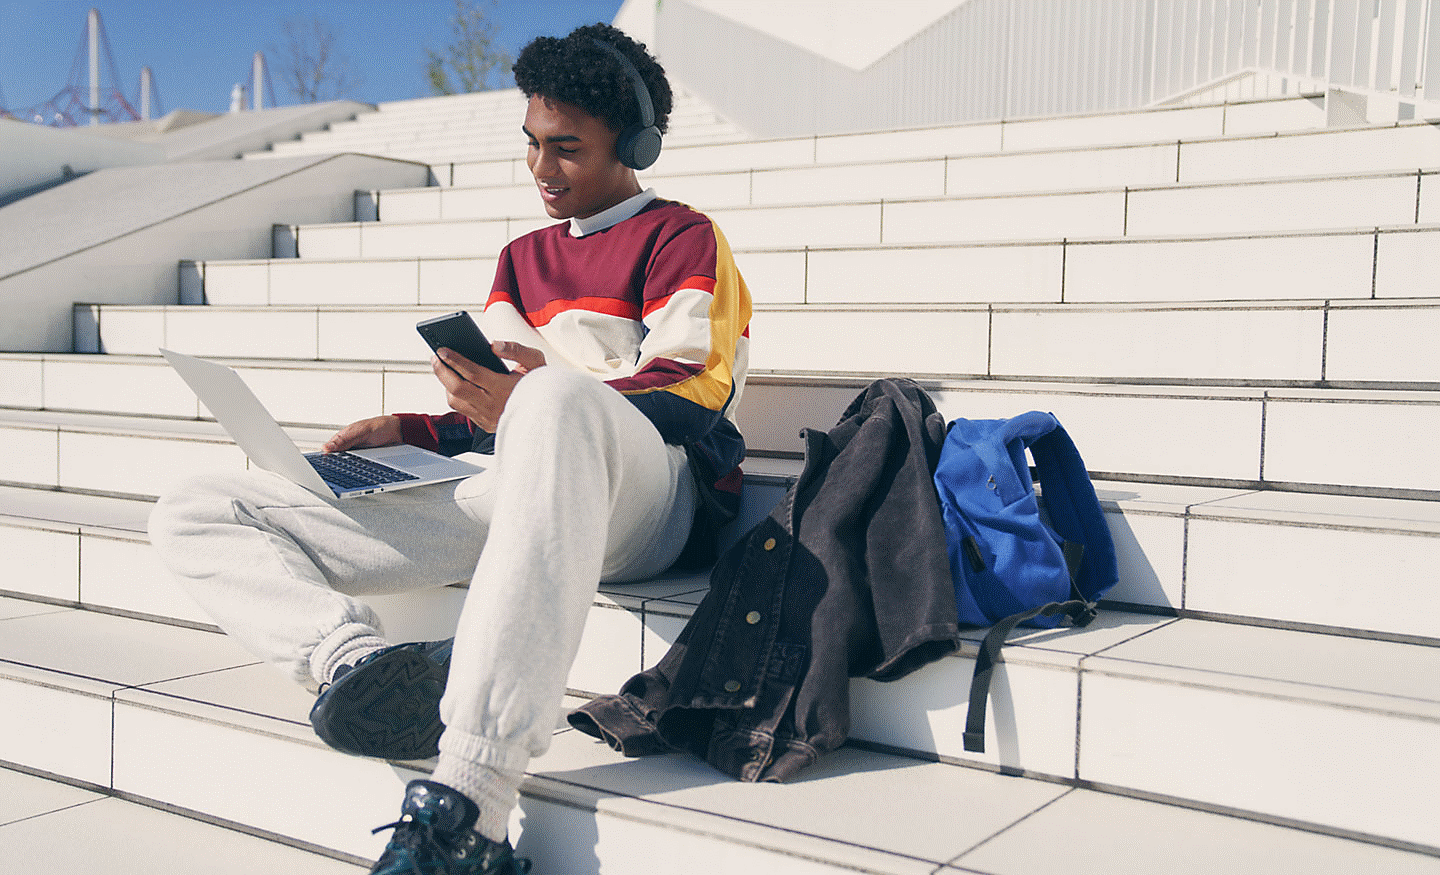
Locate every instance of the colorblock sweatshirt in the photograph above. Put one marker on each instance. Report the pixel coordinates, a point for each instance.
(646, 297)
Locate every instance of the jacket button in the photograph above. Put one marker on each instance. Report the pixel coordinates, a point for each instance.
(732, 686)
(769, 543)
(753, 617)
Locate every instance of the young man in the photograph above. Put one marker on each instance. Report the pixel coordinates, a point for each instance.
(615, 452)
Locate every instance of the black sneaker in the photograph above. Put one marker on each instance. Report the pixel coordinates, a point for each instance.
(388, 704)
(436, 835)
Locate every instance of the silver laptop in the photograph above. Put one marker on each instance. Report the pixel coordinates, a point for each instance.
(343, 475)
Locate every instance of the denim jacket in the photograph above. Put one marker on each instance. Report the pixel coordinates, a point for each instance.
(847, 577)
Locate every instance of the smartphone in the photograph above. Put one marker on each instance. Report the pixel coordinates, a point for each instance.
(460, 333)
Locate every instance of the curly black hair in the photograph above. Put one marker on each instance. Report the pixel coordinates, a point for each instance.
(574, 70)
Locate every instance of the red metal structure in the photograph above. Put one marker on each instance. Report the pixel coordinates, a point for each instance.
(92, 93)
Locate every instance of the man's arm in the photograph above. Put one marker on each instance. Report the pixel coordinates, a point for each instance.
(377, 431)
(477, 396)
(696, 316)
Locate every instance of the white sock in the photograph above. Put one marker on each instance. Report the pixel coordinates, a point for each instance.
(353, 651)
(494, 791)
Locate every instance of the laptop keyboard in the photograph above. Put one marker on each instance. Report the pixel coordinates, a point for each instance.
(350, 471)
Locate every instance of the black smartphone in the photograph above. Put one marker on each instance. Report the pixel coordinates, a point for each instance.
(460, 333)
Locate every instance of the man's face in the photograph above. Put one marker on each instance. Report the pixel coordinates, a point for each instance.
(572, 157)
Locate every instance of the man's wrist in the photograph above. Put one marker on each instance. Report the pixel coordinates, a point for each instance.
(416, 430)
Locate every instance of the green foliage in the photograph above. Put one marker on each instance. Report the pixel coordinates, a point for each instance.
(471, 62)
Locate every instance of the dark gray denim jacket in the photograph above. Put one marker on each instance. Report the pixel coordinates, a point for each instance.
(847, 577)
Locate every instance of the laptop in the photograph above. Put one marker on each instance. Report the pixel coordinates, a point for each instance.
(342, 475)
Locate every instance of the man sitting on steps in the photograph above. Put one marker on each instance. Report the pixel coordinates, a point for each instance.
(615, 452)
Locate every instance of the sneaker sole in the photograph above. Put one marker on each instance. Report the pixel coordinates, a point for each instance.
(389, 708)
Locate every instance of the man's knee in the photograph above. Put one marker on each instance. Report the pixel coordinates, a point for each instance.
(558, 383)
(197, 502)
(182, 507)
(556, 393)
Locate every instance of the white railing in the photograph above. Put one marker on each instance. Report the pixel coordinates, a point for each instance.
(999, 59)
(1382, 48)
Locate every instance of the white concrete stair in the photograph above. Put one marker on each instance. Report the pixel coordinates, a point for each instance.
(1177, 534)
(1326, 203)
(49, 826)
(741, 178)
(468, 125)
(1118, 651)
(1355, 343)
(1084, 131)
(1244, 361)
(1216, 434)
(1325, 265)
(1303, 343)
(1201, 435)
(115, 235)
(1220, 717)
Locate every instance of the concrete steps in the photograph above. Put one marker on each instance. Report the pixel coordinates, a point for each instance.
(1396, 199)
(1356, 264)
(1256, 207)
(1083, 131)
(1136, 675)
(1221, 717)
(197, 725)
(463, 133)
(1345, 342)
(736, 176)
(1202, 476)
(55, 827)
(1241, 349)
(1197, 434)
(468, 125)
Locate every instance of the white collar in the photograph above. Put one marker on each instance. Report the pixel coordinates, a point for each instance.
(613, 216)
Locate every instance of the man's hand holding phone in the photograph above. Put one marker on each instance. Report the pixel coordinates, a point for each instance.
(458, 332)
(478, 392)
(477, 381)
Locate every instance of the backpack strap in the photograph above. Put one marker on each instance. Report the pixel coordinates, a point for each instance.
(1081, 612)
(1085, 541)
(1075, 513)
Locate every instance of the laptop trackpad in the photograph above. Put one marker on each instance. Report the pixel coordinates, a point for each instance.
(419, 462)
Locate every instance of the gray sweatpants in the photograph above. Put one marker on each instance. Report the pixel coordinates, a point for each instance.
(581, 489)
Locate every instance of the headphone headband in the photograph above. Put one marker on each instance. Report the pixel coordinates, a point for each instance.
(637, 146)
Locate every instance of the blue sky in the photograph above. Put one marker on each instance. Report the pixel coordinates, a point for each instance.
(198, 50)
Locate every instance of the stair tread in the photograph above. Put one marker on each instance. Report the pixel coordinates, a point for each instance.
(221, 311)
(1243, 174)
(201, 676)
(795, 378)
(936, 814)
(1318, 509)
(74, 509)
(1344, 671)
(1259, 183)
(54, 827)
(1151, 742)
(1133, 240)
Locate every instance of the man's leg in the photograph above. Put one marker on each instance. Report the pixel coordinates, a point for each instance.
(586, 490)
(279, 568)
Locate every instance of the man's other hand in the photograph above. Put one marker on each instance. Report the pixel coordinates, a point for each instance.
(377, 431)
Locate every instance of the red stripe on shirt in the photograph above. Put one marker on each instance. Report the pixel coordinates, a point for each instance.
(607, 306)
(657, 375)
(704, 284)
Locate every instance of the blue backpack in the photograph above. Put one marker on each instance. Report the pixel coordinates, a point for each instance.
(1011, 566)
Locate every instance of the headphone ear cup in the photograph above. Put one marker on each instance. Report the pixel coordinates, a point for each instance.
(637, 147)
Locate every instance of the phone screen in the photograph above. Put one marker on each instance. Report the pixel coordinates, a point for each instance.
(459, 332)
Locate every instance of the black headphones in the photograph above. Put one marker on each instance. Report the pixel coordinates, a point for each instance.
(638, 145)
